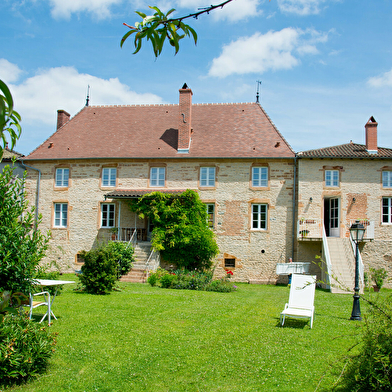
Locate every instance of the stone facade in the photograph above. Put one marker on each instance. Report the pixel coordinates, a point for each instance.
(359, 196)
(256, 251)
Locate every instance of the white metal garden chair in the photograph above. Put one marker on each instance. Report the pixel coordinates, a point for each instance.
(43, 300)
(301, 298)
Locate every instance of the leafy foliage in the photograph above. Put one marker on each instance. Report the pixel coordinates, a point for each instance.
(25, 348)
(190, 280)
(378, 276)
(157, 28)
(21, 246)
(181, 230)
(6, 298)
(124, 256)
(9, 118)
(43, 272)
(371, 369)
(103, 266)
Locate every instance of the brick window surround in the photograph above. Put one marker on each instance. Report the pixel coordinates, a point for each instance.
(62, 177)
(60, 218)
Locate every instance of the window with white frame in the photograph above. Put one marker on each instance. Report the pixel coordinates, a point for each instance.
(210, 214)
(387, 179)
(207, 176)
(60, 214)
(62, 177)
(259, 216)
(109, 176)
(107, 215)
(332, 178)
(387, 210)
(157, 176)
(260, 176)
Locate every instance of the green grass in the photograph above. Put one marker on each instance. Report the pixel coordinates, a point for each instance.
(150, 339)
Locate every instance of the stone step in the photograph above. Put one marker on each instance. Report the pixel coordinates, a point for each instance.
(134, 276)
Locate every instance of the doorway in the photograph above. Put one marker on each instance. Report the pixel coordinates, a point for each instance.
(332, 216)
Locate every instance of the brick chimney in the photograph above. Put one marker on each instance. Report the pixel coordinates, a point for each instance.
(185, 120)
(62, 118)
(371, 136)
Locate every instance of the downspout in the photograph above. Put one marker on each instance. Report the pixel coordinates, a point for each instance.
(294, 204)
(37, 197)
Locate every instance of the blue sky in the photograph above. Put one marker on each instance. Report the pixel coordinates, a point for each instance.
(325, 66)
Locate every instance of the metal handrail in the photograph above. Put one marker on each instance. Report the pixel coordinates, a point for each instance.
(132, 240)
(327, 258)
(155, 265)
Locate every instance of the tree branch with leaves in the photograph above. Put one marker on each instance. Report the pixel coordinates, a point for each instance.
(159, 27)
(9, 118)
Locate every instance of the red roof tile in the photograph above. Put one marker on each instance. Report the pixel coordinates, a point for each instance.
(349, 150)
(240, 130)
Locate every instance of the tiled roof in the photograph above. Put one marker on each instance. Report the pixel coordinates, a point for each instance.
(9, 154)
(130, 193)
(240, 130)
(349, 150)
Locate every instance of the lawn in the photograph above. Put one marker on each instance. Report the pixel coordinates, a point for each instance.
(150, 339)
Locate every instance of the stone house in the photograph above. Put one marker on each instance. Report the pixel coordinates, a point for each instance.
(337, 186)
(82, 176)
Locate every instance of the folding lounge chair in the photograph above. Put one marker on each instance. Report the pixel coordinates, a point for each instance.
(301, 298)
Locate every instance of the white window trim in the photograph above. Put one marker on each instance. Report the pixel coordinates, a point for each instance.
(387, 179)
(207, 176)
(260, 182)
(389, 210)
(157, 176)
(258, 210)
(330, 183)
(60, 177)
(112, 176)
(108, 206)
(60, 215)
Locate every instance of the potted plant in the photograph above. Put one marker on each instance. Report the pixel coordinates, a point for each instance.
(378, 276)
(304, 233)
(114, 231)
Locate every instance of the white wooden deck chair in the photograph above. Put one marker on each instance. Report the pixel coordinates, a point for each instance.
(301, 298)
(44, 300)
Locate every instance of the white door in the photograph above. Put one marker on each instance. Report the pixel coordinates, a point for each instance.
(334, 229)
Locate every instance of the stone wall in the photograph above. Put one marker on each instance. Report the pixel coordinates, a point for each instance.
(256, 252)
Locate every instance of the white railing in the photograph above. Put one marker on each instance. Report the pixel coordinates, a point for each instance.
(369, 226)
(309, 228)
(152, 262)
(326, 274)
(132, 240)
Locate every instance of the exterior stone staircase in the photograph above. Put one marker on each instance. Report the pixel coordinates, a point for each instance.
(138, 272)
(342, 265)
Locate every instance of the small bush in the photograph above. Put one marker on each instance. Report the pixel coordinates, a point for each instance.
(167, 281)
(220, 286)
(25, 348)
(371, 369)
(99, 271)
(124, 256)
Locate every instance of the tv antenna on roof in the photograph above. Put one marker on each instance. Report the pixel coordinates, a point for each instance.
(257, 94)
(88, 95)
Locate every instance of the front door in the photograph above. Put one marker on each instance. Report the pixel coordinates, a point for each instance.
(331, 217)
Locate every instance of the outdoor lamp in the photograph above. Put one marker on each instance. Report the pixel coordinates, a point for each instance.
(357, 232)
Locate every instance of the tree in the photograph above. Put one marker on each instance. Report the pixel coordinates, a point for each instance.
(158, 28)
(181, 232)
(9, 118)
(21, 246)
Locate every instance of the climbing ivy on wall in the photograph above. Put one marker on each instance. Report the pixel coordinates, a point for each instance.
(181, 230)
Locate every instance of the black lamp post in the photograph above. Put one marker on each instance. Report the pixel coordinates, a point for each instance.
(357, 231)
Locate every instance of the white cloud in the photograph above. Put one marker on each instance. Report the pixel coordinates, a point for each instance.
(9, 72)
(381, 81)
(38, 98)
(301, 7)
(271, 51)
(62, 9)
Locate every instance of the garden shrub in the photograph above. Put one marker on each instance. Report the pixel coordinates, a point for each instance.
(43, 272)
(123, 254)
(371, 369)
(22, 245)
(220, 286)
(25, 348)
(181, 233)
(99, 271)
